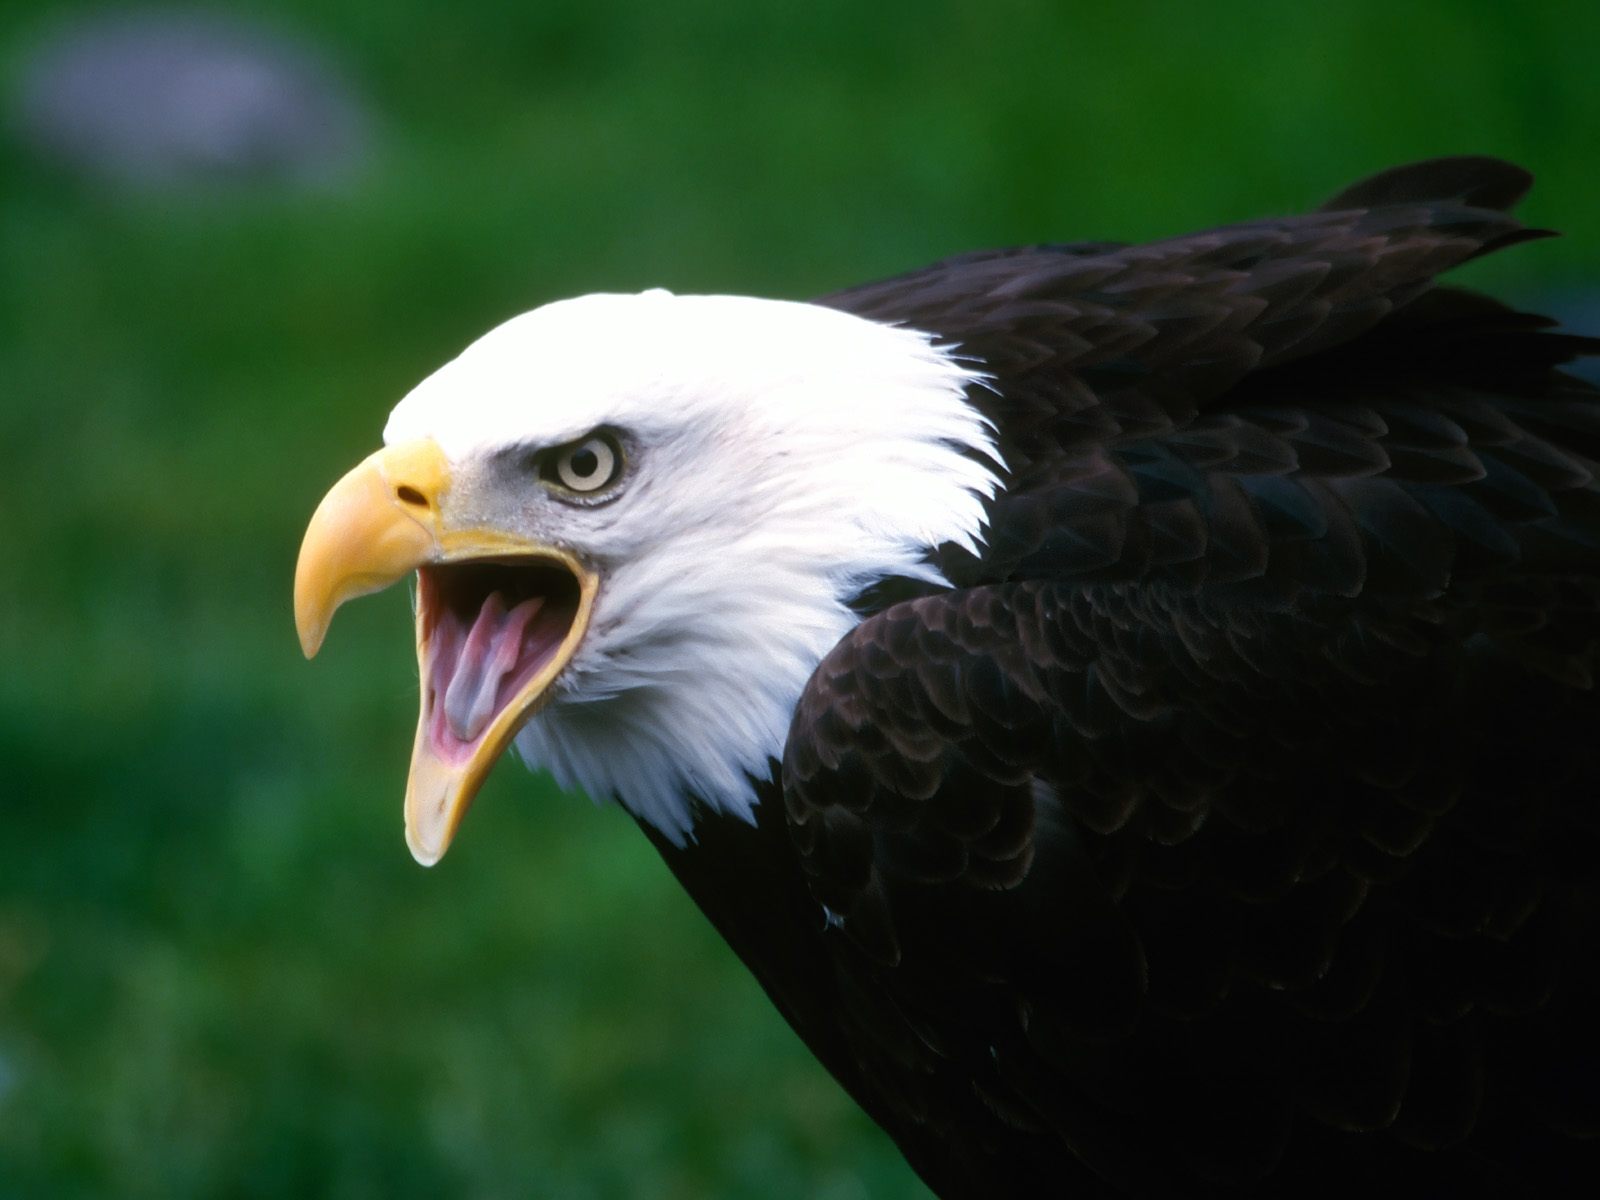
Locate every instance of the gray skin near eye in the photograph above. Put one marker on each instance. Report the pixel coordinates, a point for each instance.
(587, 466)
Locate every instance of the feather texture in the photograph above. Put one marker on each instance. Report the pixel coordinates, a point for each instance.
(1132, 707)
(1233, 820)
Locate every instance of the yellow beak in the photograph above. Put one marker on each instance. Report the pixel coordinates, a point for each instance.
(383, 520)
(377, 525)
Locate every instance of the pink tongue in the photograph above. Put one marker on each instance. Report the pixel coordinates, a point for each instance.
(491, 652)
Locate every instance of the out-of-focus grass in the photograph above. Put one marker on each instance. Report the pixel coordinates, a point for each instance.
(219, 971)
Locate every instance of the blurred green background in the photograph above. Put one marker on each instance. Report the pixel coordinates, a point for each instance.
(220, 972)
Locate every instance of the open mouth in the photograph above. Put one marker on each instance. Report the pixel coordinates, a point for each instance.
(494, 633)
(490, 631)
(499, 617)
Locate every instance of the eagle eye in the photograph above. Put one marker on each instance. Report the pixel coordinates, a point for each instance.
(585, 466)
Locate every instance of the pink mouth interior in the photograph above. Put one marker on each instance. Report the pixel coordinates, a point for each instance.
(489, 628)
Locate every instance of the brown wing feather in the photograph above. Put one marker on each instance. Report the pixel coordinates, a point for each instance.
(1155, 880)
(1090, 344)
(1235, 822)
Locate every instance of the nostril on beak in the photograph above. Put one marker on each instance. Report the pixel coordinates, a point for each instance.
(407, 494)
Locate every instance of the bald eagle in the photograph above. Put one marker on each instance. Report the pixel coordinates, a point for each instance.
(1130, 706)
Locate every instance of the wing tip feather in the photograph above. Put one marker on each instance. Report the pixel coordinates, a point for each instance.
(1475, 180)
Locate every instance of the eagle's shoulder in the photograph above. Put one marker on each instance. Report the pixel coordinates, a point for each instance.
(1210, 775)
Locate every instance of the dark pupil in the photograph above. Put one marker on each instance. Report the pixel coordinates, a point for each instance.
(585, 463)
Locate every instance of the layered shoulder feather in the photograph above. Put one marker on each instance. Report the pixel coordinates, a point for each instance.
(1237, 809)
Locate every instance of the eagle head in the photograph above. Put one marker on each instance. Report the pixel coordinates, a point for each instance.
(637, 523)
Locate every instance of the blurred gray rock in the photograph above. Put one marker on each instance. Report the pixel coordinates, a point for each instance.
(181, 101)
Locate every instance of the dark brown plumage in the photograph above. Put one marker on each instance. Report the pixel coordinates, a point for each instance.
(1233, 826)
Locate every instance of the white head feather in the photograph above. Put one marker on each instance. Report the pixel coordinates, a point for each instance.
(783, 456)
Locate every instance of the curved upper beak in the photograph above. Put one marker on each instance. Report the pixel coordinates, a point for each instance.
(386, 519)
(373, 528)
